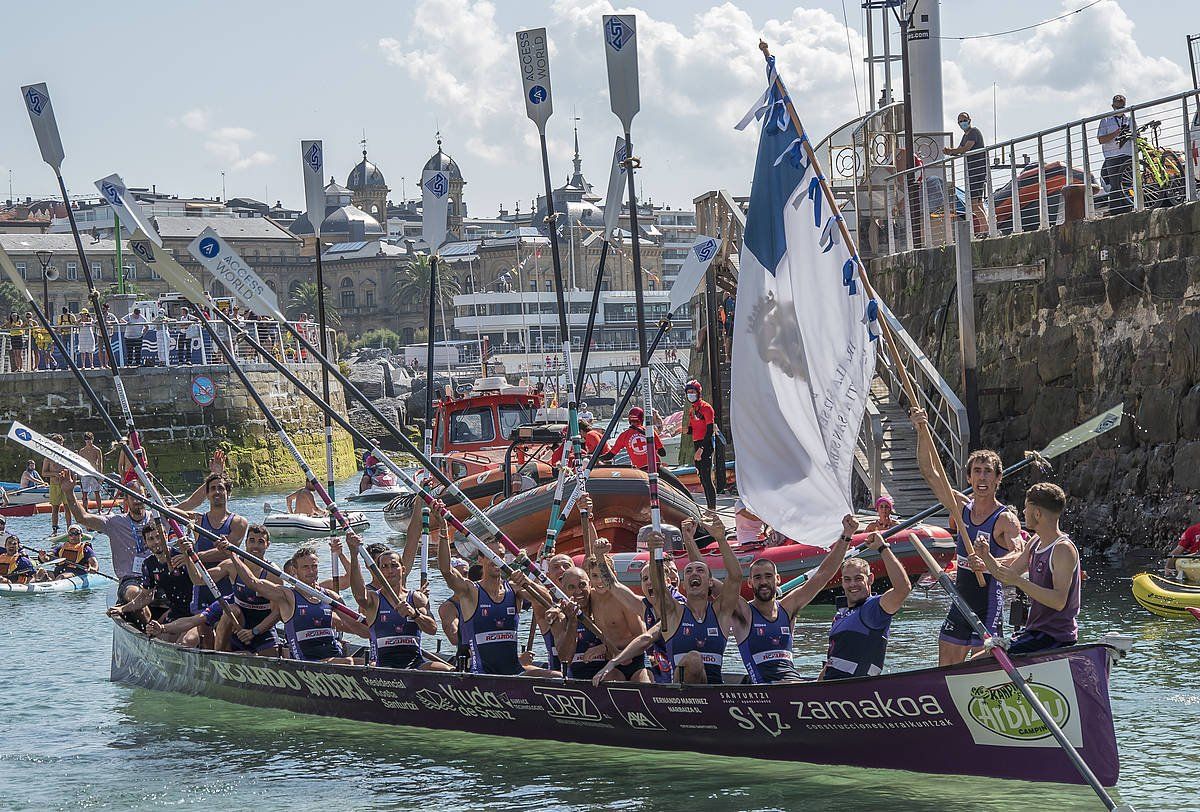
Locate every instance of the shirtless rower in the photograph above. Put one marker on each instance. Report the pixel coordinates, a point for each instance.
(91, 484)
(489, 610)
(124, 531)
(303, 502)
(250, 626)
(980, 518)
(395, 630)
(763, 626)
(858, 637)
(216, 488)
(581, 652)
(308, 623)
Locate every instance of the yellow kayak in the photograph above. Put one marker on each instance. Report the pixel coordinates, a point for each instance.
(1164, 597)
(1189, 568)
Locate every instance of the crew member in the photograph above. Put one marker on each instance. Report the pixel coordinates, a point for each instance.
(250, 629)
(165, 589)
(702, 424)
(981, 518)
(124, 531)
(15, 566)
(76, 554)
(858, 637)
(1188, 546)
(302, 501)
(395, 629)
(633, 440)
(579, 649)
(555, 567)
(219, 520)
(1051, 562)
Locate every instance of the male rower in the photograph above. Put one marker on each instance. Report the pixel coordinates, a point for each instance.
(250, 629)
(124, 531)
(165, 590)
(308, 621)
(30, 478)
(395, 629)
(91, 484)
(555, 568)
(858, 637)
(633, 440)
(302, 501)
(15, 565)
(75, 555)
(489, 612)
(216, 488)
(1051, 565)
(979, 519)
(763, 626)
(581, 652)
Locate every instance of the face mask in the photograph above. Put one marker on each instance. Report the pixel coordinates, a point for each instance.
(693, 397)
(965, 125)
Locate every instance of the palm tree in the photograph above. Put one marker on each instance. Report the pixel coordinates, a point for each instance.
(412, 285)
(303, 299)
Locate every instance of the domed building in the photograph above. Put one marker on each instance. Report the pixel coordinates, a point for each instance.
(457, 206)
(368, 189)
(344, 221)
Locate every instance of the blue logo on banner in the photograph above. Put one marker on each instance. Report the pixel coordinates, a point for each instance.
(616, 33)
(313, 157)
(23, 434)
(209, 247)
(143, 250)
(705, 250)
(36, 101)
(437, 185)
(538, 94)
(111, 193)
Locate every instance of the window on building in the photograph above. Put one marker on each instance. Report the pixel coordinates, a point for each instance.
(72, 271)
(369, 297)
(347, 289)
(129, 269)
(23, 269)
(73, 307)
(95, 267)
(153, 272)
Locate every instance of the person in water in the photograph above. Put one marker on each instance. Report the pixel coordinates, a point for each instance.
(1047, 570)
(15, 566)
(858, 637)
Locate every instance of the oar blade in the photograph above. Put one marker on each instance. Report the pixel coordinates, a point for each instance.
(1100, 424)
(699, 257)
(615, 202)
(45, 127)
(620, 52)
(116, 195)
(219, 258)
(312, 160)
(435, 207)
(44, 446)
(533, 53)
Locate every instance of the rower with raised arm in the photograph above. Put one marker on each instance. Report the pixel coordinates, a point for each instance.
(125, 535)
(395, 630)
(489, 611)
(219, 520)
(308, 623)
(555, 568)
(858, 637)
(581, 652)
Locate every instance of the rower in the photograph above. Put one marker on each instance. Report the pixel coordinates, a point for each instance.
(555, 568)
(124, 531)
(577, 646)
(633, 440)
(980, 518)
(763, 627)
(490, 622)
(166, 586)
(251, 628)
(1052, 567)
(395, 629)
(858, 637)
(308, 623)
(216, 488)
(77, 557)
(1188, 545)
(15, 565)
(303, 502)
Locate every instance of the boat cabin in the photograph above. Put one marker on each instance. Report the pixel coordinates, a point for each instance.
(472, 432)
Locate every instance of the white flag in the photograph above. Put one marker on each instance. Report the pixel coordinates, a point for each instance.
(126, 208)
(691, 273)
(312, 160)
(803, 355)
(435, 207)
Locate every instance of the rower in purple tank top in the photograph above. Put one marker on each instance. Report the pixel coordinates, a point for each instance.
(1052, 563)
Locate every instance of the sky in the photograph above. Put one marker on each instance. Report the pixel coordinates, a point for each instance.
(173, 94)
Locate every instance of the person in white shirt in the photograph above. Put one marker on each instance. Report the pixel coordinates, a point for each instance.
(135, 327)
(1117, 171)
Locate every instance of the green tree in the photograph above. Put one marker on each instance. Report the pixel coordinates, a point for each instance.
(382, 337)
(303, 299)
(10, 298)
(412, 285)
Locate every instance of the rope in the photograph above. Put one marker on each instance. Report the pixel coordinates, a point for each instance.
(1027, 27)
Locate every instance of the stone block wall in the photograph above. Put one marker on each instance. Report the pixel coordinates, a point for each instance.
(1116, 319)
(180, 435)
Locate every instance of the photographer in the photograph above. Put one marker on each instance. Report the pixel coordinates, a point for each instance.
(1117, 171)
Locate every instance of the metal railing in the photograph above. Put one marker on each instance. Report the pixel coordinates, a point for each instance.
(1039, 180)
(947, 415)
(868, 462)
(158, 343)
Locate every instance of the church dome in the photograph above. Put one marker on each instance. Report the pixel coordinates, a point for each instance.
(441, 161)
(365, 175)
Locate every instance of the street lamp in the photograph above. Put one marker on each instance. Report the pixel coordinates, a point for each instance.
(44, 258)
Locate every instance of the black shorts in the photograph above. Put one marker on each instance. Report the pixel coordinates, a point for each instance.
(977, 184)
(1028, 642)
(259, 643)
(637, 664)
(585, 670)
(403, 657)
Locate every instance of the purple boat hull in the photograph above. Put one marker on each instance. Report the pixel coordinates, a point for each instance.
(962, 720)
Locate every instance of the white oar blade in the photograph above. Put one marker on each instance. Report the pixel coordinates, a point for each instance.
(435, 207)
(1100, 424)
(231, 270)
(116, 195)
(41, 116)
(691, 274)
(10, 270)
(620, 51)
(533, 52)
(615, 201)
(312, 159)
(46, 447)
(165, 265)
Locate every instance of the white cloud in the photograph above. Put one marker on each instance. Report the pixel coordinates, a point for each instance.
(229, 145)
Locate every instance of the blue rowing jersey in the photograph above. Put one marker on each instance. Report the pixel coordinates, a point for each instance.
(395, 639)
(491, 633)
(858, 641)
(202, 596)
(702, 636)
(767, 649)
(660, 664)
(552, 661)
(584, 640)
(309, 632)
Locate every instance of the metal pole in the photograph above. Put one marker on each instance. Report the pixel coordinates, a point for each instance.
(966, 325)
(117, 240)
(433, 263)
(1043, 204)
(324, 344)
(910, 179)
(1089, 200)
(1139, 201)
(714, 374)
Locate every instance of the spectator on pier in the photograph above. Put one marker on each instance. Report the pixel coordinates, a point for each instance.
(41, 343)
(135, 328)
(16, 340)
(87, 341)
(972, 142)
(1117, 171)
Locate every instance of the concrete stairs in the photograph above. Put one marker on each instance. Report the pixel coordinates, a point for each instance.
(900, 475)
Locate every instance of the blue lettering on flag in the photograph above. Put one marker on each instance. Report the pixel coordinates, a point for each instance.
(705, 250)
(616, 33)
(35, 100)
(437, 185)
(313, 157)
(143, 250)
(209, 247)
(538, 94)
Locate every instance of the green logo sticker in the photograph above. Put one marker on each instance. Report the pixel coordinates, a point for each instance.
(1004, 711)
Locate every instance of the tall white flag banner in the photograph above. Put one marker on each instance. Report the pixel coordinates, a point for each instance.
(231, 270)
(533, 51)
(803, 347)
(699, 257)
(435, 207)
(312, 160)
(615, 202)
(127, 209)
(45, 127)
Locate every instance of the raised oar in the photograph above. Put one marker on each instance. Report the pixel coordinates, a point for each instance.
(225, 264)
(533, 54)
(46, 447)
(435, 185)
(1090, 429)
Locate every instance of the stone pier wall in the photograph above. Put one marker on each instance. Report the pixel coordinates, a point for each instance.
(180, 435)
(1116, 319)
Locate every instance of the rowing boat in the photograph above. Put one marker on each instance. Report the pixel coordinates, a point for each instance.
(73, 583)
(301, 526)
(965, 719)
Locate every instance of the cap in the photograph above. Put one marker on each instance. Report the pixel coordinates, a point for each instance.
(693, 384)
(885, 500)
(636, 414)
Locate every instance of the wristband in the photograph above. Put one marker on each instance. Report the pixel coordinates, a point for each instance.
(846, 538)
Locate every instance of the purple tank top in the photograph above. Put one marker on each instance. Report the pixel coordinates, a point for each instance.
(1061, 624)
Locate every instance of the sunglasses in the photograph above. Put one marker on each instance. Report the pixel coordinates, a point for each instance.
(74, 533)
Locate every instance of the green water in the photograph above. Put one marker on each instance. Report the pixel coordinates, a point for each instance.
(70, 739)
